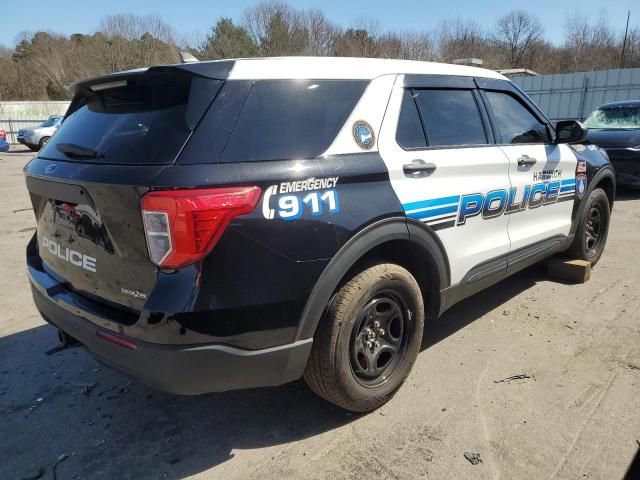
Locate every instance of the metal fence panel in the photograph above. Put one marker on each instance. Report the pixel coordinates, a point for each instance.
(575, 95)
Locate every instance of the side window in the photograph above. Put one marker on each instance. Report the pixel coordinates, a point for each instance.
(451, 117)
(291, 119)
(514, 122)
(409, 133)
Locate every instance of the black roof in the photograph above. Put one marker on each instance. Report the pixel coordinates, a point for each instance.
(625, 103)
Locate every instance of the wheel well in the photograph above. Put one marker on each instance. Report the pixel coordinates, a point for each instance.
(415, 259)
(609, 188)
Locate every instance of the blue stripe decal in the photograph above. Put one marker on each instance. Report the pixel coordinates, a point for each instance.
(569, 181)
(434, 202)
(433, 212)
(568, 188)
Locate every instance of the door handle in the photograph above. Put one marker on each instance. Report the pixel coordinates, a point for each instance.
(418, 168)
(526, 160)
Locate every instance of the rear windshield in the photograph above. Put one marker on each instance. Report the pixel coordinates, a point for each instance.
(143, 119)
(51, 122)
(273, 120)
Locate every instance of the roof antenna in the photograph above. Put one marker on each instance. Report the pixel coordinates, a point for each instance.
(186, 57)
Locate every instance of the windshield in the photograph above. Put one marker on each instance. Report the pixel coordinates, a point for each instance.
(614, 117)
(51, 122)
(144, 119)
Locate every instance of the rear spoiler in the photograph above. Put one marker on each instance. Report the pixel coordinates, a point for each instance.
(217, 69)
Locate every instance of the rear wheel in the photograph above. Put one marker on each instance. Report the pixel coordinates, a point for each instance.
(593, 229)
(369, 339)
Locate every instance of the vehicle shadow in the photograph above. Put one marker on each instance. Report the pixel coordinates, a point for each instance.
(64, 403)
(20, 149)
(633, 472)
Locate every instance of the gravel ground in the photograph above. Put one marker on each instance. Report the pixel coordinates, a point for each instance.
(575, 415)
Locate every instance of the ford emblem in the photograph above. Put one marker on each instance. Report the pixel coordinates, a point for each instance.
(50, 168)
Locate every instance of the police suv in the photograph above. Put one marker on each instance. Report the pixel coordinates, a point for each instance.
(241, 223)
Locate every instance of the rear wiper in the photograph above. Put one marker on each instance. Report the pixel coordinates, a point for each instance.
(72, 150)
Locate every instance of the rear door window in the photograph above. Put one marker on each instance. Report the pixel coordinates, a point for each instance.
(514, 122)
(290, 119)
(143, 119)
(410, 134)
(451, 117)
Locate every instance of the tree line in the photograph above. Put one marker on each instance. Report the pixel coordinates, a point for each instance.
(43, 63)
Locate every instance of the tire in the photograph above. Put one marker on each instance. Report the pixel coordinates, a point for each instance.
(346, 365)
(43, 141)
(593, 229)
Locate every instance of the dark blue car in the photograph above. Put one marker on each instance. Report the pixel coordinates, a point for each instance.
(4, 145)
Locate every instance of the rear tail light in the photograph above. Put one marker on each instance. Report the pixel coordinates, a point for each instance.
(3, 134)
(182, 226)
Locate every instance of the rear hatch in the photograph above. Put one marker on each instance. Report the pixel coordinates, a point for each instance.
(120, 132)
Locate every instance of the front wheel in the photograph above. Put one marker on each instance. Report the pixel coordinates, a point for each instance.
(592, 231)
(369, 339)
(43, 142)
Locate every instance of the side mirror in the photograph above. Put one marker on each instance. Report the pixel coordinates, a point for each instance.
(570, 131)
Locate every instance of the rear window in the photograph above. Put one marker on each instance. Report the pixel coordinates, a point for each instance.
(451, 117)
(273, 120)
(143, 119)
(410, 133)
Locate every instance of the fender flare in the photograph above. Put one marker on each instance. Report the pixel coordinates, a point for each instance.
(604, 172)
(382, 231)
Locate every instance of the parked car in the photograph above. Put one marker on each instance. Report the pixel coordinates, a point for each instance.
(4, 145)
(615, 127)
(37, 137)
(278, 218)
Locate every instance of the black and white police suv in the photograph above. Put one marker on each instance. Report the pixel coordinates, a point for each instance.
(232, 224)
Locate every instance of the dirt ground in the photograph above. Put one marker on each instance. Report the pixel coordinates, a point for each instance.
(576, 416)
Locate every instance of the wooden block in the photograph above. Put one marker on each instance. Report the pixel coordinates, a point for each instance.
(567, 270)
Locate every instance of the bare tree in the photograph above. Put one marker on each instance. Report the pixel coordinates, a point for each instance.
(517, 35)
(42, 63)
(405, 46)
(417, 46)
(276, 28)
(460, 39)
(589, 45)
(632, 55)
(136, 40)
(321, 32)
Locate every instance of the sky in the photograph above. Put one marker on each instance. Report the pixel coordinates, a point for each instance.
(193, 18)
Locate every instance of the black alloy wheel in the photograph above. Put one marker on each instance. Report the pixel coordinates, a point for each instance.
(379, 338)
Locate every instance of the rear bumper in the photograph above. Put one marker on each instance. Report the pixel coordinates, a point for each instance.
(178, 369)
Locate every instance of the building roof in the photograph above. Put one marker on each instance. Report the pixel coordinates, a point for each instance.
(513, 72)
